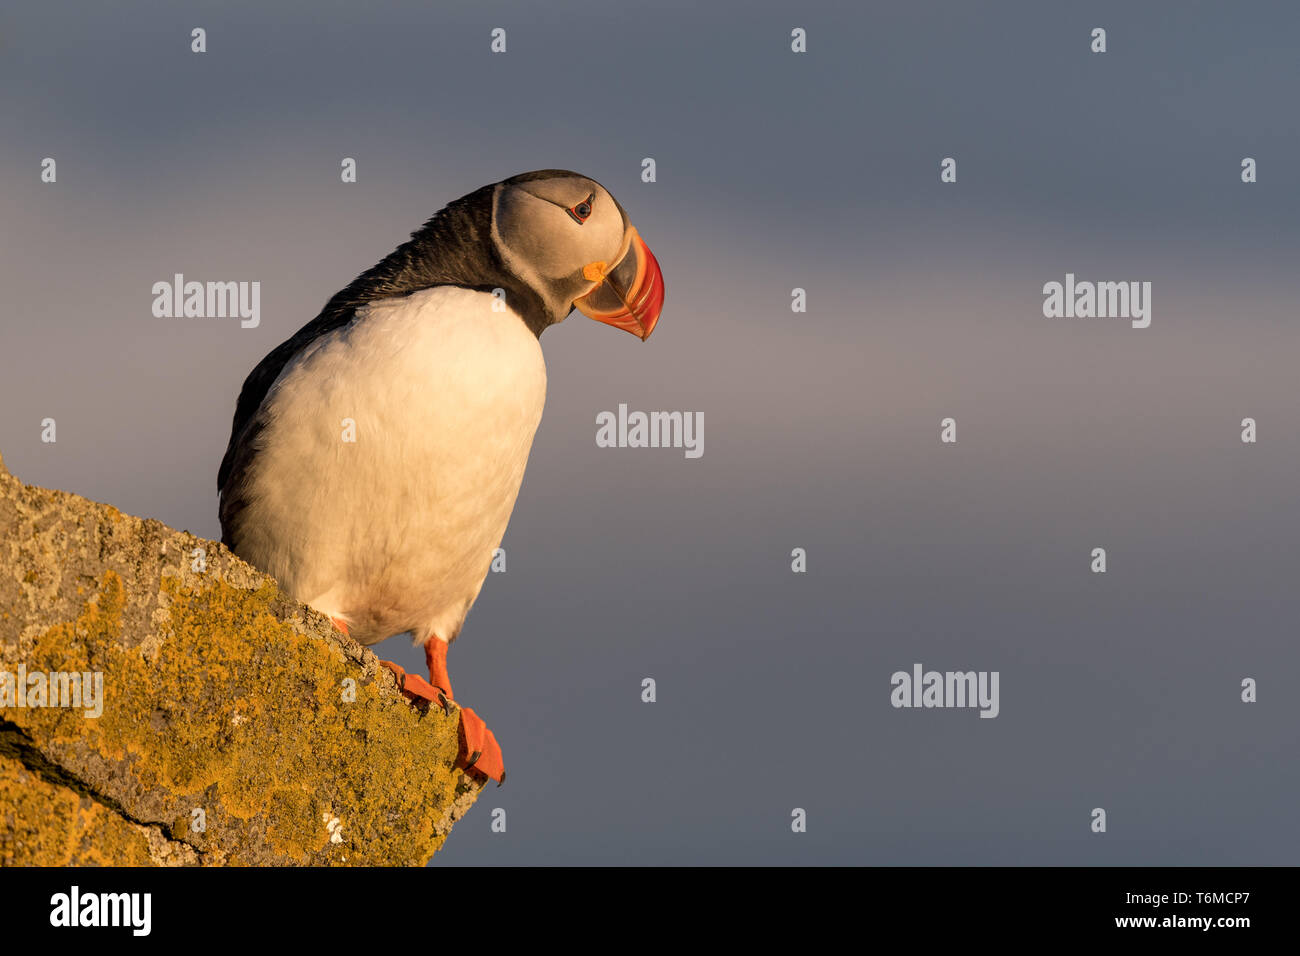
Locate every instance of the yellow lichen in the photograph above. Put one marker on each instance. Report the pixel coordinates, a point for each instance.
(241, 716)
(46, 824)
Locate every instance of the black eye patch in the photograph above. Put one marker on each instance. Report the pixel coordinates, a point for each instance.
(582, 210)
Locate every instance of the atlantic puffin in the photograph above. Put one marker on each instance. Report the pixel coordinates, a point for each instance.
(375, 456)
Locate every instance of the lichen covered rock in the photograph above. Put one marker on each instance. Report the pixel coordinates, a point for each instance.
(234, 725)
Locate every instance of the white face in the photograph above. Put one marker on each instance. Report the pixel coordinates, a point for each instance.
(537, 229)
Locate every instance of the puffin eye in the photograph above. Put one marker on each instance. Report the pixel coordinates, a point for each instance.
(580, 212)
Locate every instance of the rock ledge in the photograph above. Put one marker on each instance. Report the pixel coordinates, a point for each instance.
(235, 725)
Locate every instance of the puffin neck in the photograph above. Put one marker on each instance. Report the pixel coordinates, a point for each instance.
(453, 248)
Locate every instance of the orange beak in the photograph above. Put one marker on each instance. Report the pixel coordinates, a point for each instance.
(628, 296)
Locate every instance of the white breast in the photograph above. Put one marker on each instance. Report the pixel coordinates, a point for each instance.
(396, 530)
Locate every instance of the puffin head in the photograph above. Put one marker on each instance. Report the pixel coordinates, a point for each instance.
(571, 242)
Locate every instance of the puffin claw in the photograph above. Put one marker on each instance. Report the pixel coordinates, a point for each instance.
(416, 688)
(480, 747)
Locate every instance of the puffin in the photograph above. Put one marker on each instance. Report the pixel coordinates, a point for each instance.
(375, 456)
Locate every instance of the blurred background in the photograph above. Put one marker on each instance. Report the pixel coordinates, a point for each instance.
(775, 170)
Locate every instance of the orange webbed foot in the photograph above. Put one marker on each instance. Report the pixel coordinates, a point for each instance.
(479, 751)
